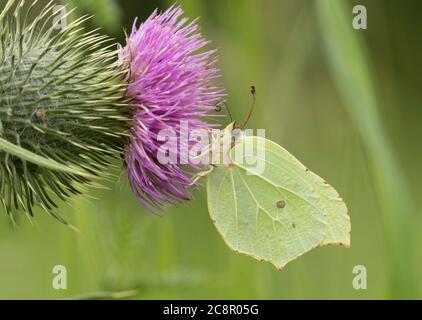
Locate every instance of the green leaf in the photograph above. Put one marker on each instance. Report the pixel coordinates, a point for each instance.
(278, 214)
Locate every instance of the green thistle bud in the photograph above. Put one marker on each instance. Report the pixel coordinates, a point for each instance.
(61, 97)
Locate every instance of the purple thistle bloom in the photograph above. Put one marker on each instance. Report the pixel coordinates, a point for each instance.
(169, 82)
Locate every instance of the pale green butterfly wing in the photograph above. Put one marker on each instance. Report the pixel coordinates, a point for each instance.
(338, 220)
(279, 159)
(275, 215)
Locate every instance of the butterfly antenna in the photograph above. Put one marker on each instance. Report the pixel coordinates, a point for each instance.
(220, 106)
(253, 92)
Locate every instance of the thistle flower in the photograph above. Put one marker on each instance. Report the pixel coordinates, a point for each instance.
(169, 82)
(60, 108)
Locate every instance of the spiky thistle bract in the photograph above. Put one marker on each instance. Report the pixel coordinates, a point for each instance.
(61, 100)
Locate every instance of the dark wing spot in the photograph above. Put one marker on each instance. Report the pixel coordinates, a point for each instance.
(281, 204)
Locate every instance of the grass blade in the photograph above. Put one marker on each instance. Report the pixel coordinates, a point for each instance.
(351, 69)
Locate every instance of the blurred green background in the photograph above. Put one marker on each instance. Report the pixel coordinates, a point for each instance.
(346, 102)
